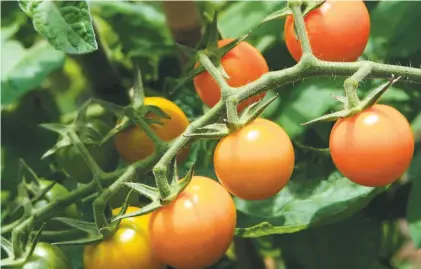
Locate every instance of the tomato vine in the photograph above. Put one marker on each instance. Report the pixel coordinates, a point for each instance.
(161, 162)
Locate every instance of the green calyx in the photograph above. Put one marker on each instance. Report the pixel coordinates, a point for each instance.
(352, 105)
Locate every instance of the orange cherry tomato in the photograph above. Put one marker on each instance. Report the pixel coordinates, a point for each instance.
(128, 248)
(243, 64)
(197, 228)
(134, 145)
(337, 31)
(374, 147)
(255, 162)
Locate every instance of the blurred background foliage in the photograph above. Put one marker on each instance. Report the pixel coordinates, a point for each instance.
(41, 84)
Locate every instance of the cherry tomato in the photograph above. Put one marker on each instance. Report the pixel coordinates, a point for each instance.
(72, 162)
(243, 64)
(197, 228)
(134, 145)
(47, 256)
(56, 192)
(374, 147)
(256, 161)
(337, 31)
(128, 248)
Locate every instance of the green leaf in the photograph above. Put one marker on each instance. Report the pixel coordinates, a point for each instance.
(23, 69)
(303, 203)
(349, 244)
(242, 16)
(67, 25)
(300, 103)
(279, 14)
(142, 30)
(392, 31)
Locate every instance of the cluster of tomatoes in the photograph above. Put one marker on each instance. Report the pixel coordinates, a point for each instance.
(372, 148)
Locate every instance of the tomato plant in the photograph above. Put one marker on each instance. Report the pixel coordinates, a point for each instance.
(256, 161)
(47, 256)
(196, 229)
(276, 164)
(337, 31)
(253, 66)
(373, 148)
(134, 145)
(70, 160)
(128, 247)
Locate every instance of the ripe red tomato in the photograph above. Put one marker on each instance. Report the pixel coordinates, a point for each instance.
(243, 64)
(337, 31)
(197, 228)
(133, 144)
(256, 161)
(373, 148)
(128, 247)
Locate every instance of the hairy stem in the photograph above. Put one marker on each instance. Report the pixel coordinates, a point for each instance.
(226, 90)
(351, 85)
(216, 74)
(160, 169)
(101, 201)
(275, 79)
(295, 7)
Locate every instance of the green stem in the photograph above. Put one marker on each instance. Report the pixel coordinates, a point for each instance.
(160, 169)
(226, 90)
(100, 202)
(61, 235)
(351, 86)
(275, 79)
(216, 74)
(160, 145)
(89, 160)
(295, 7)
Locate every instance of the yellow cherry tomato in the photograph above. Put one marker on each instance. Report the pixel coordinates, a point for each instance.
(128, 248)
(134, 145)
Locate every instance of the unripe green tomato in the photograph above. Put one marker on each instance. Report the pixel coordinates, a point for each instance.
(56, 192)
(47, 256)
(72, 162)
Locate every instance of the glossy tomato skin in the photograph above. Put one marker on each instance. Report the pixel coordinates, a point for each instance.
(243, 64)
(128, 248)
(47, 256)
(255, 162)
(72, 162)
(197, 228)
(373, 148)
(337, 31)
(134, 145)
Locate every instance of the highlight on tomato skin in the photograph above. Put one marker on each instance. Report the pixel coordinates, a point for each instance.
(373, 148)
(256, 161)
(337, 31)
(197, 228)
(243, 64)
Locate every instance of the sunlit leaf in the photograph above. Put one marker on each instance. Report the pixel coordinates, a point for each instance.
(67, 25)
(301, 204)
(23, 69)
